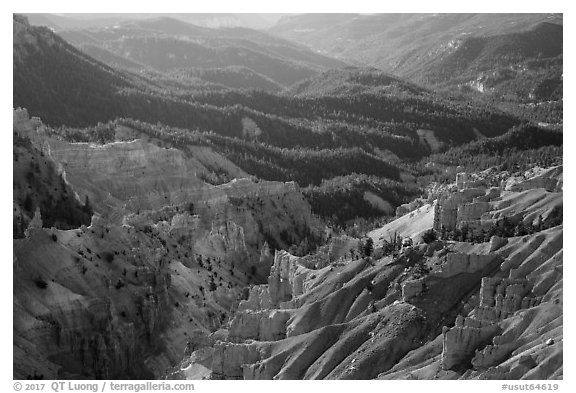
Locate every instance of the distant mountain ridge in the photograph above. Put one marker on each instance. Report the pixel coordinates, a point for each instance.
(474, 55)
(343, 34)
(214, 20)
(166, 44)
(350, 121)
(353, 80)
(39, 58)
(200, 203)
(444, 50)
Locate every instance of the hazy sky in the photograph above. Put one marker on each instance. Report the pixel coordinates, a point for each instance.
(75, 20)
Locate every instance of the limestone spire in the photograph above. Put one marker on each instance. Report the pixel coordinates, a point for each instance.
(35, 223)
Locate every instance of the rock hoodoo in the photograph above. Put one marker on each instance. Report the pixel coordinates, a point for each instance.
(353, 318)
(179, 278)
(159, 269)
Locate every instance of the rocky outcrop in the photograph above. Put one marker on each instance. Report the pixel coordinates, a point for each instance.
(523, 349)
(229, 359)
(482, 338)
(516, 317)
(446, 208)
(225, 223)
(478, 203)
(503, 297)
(266, 257)
(183, 225)
(412, 225)
(159, 276)
(468, 213)
(287, 278)
(497, 242)
(551, 179)
(412, 288)
(335, 329)
(21, 120)
(460, 342)
(491, 194)
(262, 325)
(90, 321)
(493, 353)
(498, 299)
(168, 255)
(491, 332)
(129, 177)
(470, 180)
(227, 239)
(478, 342)
(330, 306)
(457, 263)
(258, 299)
(35, 223)
(410, 206)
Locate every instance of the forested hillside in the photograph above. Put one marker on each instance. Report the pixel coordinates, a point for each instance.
(342, 134)
(508, 60)
(338, 196)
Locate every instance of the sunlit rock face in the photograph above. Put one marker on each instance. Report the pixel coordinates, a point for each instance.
(176, 277)
(139, 292)
(158, 271)
(478, 204)
(263, 325)
(551, 179)
(88, 319)
(443, 310)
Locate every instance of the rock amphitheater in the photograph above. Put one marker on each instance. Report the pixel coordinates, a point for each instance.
(157, 288)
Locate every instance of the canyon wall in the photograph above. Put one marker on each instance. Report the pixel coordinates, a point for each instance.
(445, 310)
(159, 270)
